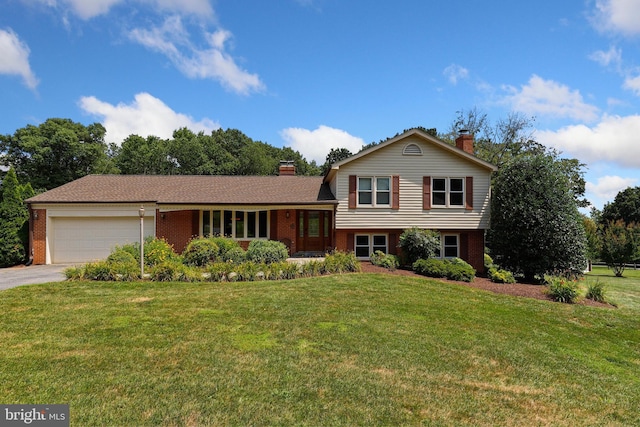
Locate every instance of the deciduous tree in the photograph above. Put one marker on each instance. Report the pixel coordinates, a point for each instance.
(55, 152)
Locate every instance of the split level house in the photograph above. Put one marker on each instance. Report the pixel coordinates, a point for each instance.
(362, 204)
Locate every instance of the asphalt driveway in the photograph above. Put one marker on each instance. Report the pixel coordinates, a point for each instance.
(18, 276)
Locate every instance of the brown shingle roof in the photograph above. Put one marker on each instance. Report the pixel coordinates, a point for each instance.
(190, 189)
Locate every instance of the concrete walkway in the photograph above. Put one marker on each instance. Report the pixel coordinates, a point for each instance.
(35, 274)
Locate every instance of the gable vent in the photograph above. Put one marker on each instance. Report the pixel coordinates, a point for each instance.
(412, 150)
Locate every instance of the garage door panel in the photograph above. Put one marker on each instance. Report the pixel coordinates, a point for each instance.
(87, 239)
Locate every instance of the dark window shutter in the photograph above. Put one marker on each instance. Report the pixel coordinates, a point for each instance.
(393, 243)
(464, 246)
(351, 244)
(395, 203)
(469, 193)
(352, 191)
(426, 192)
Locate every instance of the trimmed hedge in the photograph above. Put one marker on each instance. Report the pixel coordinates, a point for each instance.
(452, 269)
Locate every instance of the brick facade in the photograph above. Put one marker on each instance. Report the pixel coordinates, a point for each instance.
(178, 227)
(39, 242)
(284, 229)
(471, 243)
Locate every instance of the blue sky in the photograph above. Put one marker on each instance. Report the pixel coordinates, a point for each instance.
(317, 74)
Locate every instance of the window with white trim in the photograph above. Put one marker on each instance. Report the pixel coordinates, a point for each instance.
(366, 244)
(374, 191)
(235, 224)
(450, 245)
(447, 192)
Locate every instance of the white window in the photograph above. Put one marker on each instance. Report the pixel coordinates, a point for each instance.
(366, 244)
(447, 192)
(374, 191)
(450, 247)
(236, 224)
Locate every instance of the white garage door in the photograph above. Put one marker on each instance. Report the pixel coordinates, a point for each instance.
(87, 239)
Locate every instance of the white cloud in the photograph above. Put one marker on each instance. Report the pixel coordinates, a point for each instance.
(145, 116)
(455, 72)
(547, 97)
(211, 62)
(613, 139)
(608, 187)
(611, 57)
(15, 58)
(632, 84)
(316, 144)
(621, 16)
(87, 9)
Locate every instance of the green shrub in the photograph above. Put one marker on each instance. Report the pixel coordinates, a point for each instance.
(266, 251)
(418, 244)
(453, 269)
(498, 275)
(596, 291)
(388, 261)
(247, 271)
(200, 252)
(122, 256)
(218, 271)
(235, 255)
(458, 269)
(124, 271)
(99, 270)
(341, 262)
(171, 271)
(157, 251)
(561, 289)
(488, 261)
(312, 268)
(225, 244)
(432, 267)
(74, 273)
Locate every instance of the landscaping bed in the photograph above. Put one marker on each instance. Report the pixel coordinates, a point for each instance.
(514, 289)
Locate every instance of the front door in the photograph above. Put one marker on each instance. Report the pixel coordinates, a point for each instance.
(314, 230)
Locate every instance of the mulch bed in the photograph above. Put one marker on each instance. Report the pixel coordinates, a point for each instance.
(516, 289)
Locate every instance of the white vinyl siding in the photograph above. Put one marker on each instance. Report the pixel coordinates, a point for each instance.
(435, 162)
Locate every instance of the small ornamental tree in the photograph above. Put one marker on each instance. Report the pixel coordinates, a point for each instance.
(619, 245)
(418, 244)
(535, 224)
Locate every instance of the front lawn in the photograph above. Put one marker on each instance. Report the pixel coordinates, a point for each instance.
(623, 291)
(354, 349)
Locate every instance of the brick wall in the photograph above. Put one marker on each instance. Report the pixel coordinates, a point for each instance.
(178, 228)
(472, 252)
(39, 242)
(283, 228)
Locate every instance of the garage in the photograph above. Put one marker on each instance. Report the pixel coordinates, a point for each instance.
(83, 239)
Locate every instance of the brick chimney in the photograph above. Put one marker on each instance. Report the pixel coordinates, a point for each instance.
(465, 141)
(287, 168)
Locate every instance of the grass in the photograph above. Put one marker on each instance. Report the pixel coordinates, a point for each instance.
(356, 349)
(623, 291)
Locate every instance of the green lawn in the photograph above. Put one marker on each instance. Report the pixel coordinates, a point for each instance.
(623, 291)
(355, 349)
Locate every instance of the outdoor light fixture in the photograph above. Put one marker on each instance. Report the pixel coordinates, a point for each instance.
(141, 214)
(287, 214)
(35, 214)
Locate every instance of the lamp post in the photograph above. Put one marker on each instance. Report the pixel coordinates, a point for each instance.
(141, 214)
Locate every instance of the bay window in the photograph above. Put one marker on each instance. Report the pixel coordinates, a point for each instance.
(235, 224)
